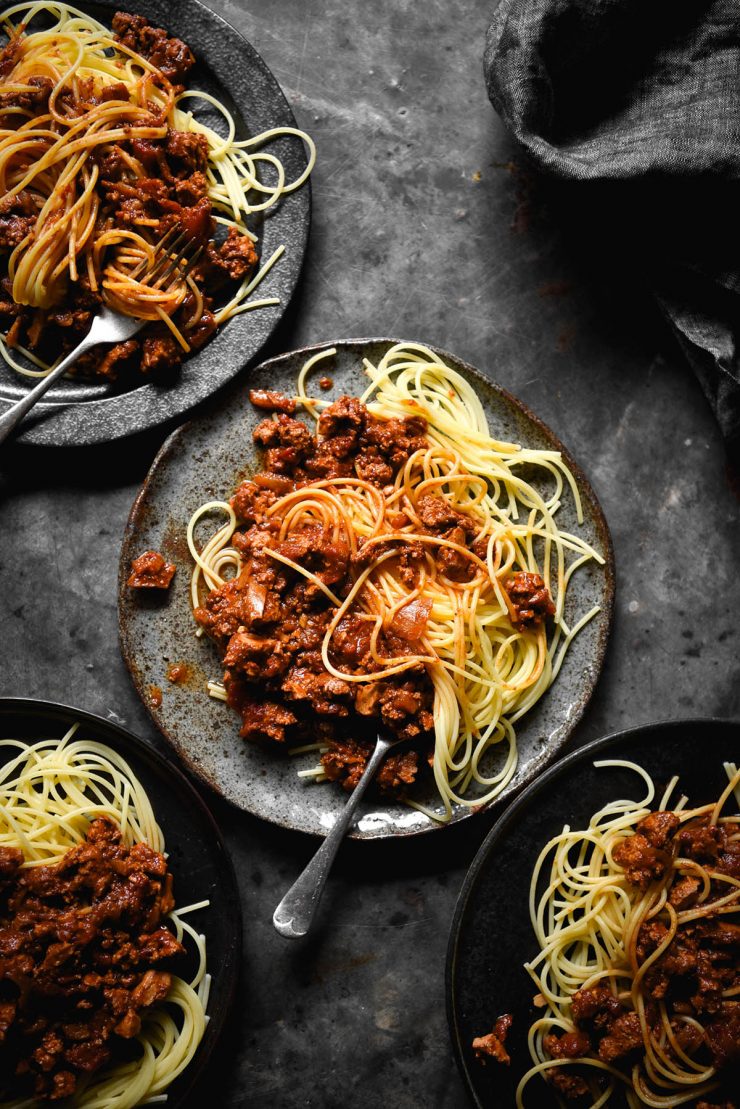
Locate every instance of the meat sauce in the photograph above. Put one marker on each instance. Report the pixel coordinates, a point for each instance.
(270, 622)
(83, 954)
(696, 977)
(492, 1044)
(173, 193)
(179, 673)
(151, 571)
(154, 696)
(529, 599)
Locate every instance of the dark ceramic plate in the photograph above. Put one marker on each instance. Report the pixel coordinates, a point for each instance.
(74, 413)
(491, 935)
(201, 868)
(205, 460)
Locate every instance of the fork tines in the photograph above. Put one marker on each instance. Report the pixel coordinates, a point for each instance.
(174, 251)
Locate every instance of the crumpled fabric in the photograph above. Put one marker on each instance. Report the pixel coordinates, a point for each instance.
(637, 103)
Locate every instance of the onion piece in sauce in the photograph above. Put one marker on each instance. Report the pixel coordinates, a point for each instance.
(411, 620)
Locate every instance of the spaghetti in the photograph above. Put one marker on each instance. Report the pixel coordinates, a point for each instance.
(100, 157)
(422, 568)
(638, 971)
(59, 799)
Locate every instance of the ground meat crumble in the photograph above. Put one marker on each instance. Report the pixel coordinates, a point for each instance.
(151, 571)
(83, 954)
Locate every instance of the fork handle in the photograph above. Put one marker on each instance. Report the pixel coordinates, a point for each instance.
(296, 911)
(17, 411)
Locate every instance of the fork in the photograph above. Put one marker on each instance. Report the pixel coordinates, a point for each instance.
(294, 915)
(173, 253)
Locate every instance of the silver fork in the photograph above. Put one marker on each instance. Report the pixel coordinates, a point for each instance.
(172, 253)
(294, 915)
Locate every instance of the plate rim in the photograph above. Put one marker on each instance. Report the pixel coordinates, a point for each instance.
(38, 706)
(588, 495)
(124, 424)
(504, 822)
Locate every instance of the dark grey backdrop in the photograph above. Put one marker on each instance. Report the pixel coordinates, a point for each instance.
(426, 225)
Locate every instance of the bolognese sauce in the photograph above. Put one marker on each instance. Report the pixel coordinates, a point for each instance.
(269, 623)
(271, 620)
(83, 954)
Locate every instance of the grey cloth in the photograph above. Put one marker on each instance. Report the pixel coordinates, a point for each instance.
(637, 104)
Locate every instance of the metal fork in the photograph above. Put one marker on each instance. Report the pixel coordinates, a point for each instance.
(173, 258)
(294, 915)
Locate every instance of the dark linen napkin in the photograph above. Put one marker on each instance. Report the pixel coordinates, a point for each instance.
(637, 103)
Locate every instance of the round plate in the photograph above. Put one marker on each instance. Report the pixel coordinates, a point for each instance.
(201, 868)
(206, 460)
(491, 935)
(75, 413)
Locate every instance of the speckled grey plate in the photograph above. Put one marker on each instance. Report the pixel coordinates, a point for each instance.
(491, 935)
(205, 460)
(75, 413)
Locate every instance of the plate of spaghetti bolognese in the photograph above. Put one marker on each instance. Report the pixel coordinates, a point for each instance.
(115, 137)
(119, 915)
(593, 957)
(375, 537)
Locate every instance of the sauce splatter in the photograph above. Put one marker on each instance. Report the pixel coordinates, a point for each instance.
(178, 672)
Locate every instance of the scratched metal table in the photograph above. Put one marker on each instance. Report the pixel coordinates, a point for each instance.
(426, 225)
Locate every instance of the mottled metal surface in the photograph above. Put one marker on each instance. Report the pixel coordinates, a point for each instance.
(76, 412)
(205, 461)
(425, 222)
